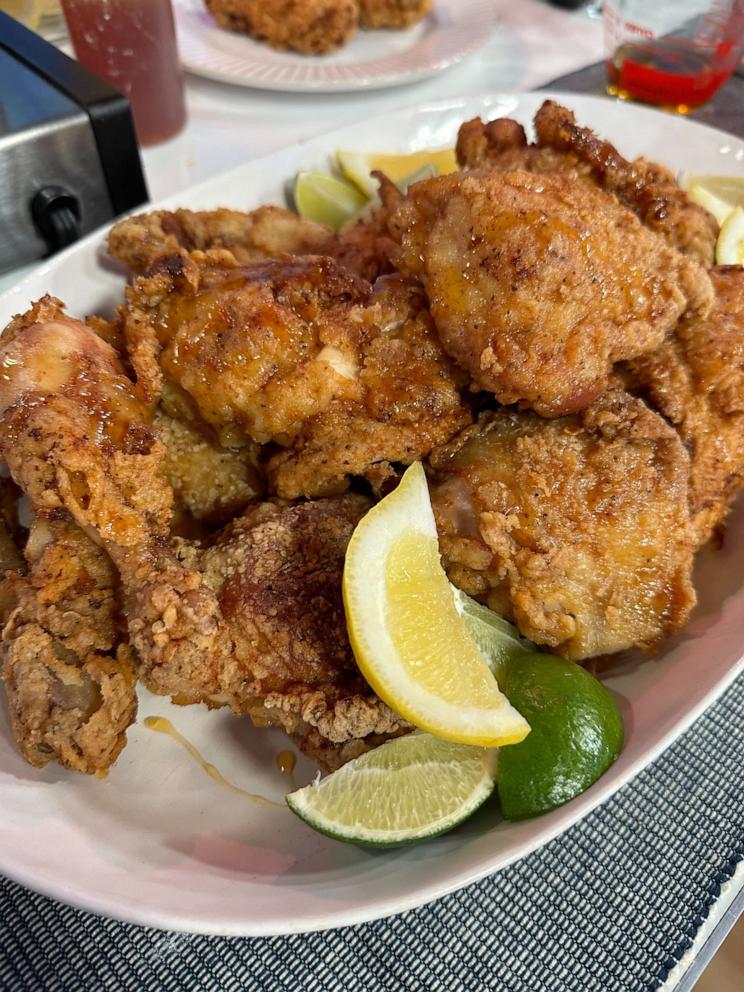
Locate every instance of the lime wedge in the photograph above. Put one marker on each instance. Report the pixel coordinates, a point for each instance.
(407, 790)
(359, 166)
(497, 639)
(577, 733)
(730, 244)
(326, 200)
(710, 202)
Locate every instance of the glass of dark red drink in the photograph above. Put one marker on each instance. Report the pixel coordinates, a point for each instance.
(132, 45)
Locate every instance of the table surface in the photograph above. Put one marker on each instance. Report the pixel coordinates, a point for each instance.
(534, 44)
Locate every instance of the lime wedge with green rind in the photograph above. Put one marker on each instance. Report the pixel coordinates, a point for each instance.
(497, 639)
(326, 200)
(577, 733)
(407, 790)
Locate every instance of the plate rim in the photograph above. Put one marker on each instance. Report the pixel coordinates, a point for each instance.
(560, 820)
(194, 63)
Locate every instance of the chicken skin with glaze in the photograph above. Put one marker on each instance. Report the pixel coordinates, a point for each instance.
(538, 284)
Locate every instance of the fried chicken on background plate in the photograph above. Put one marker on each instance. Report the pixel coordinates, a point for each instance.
(538, 284)
(312, 27)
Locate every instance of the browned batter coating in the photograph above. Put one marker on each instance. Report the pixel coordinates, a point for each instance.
(312, 27)
(576, 528)
(267, 231)
(538, 284)
(392, 13)
(696, 380)
(648, 189)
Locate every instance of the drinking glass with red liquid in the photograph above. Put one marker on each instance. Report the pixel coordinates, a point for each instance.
(132, 45)
(674, 53)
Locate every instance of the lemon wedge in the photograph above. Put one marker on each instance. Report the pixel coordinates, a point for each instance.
(730, 244)
(719, 195)
(326, 199)
(410, 642)
(358, 166)
(28, 12)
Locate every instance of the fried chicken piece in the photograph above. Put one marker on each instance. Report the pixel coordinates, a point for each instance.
(576, 528)
(263, 233)
(648, 189)
(246, 623)
(69, 675)
(213, 484)
(256, 349)
(392, 13)
(276, 573)
(538, 284)
(407, 401)
(312, 27)
(696, 381)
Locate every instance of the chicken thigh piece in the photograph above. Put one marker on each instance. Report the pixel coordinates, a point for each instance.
(576, 528)
(696, 381)
(562, 146)
(539, 284)
(407, 401)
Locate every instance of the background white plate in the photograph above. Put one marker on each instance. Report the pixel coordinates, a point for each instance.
(371, 59)
(160, 843)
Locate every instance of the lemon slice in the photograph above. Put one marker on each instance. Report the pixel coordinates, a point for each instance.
(730, 244)
(358, 167)
(407, 790)
(326, 200)
(498, 640)
(719, 195)
(28, 12)
(410, 642)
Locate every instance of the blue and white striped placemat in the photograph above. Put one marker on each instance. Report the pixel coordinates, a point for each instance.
(610, 906)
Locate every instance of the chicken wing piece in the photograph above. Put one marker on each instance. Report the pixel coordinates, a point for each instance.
(696, 381)
(313, 27)
(576, 528)
(394, 14)
(408, 401)
(538, 284)
(255, 349)
(648, 189)
(139, 240)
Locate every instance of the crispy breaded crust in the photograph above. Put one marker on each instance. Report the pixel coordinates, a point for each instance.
(392, 13)
(312, 27)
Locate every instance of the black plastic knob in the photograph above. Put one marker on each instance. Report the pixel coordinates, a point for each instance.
(56, 214)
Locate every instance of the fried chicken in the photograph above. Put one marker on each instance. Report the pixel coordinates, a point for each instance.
(74, 440)
(538, 284)
(210, 483)
(298, 352)
(648, 189)
(263, 233)
(69, 674)
(255, 621)
(696, 380)
(255, 348)
(576, 528)
(392, 13)
(406, 401)
(312, 27)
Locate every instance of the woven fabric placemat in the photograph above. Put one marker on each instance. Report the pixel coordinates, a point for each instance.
(610, 906)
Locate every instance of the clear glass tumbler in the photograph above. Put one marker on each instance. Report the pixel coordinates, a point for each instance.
(674, 53)
(132, 45)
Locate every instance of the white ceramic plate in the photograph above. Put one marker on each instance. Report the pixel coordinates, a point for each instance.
(159, 842)
(371, 59)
